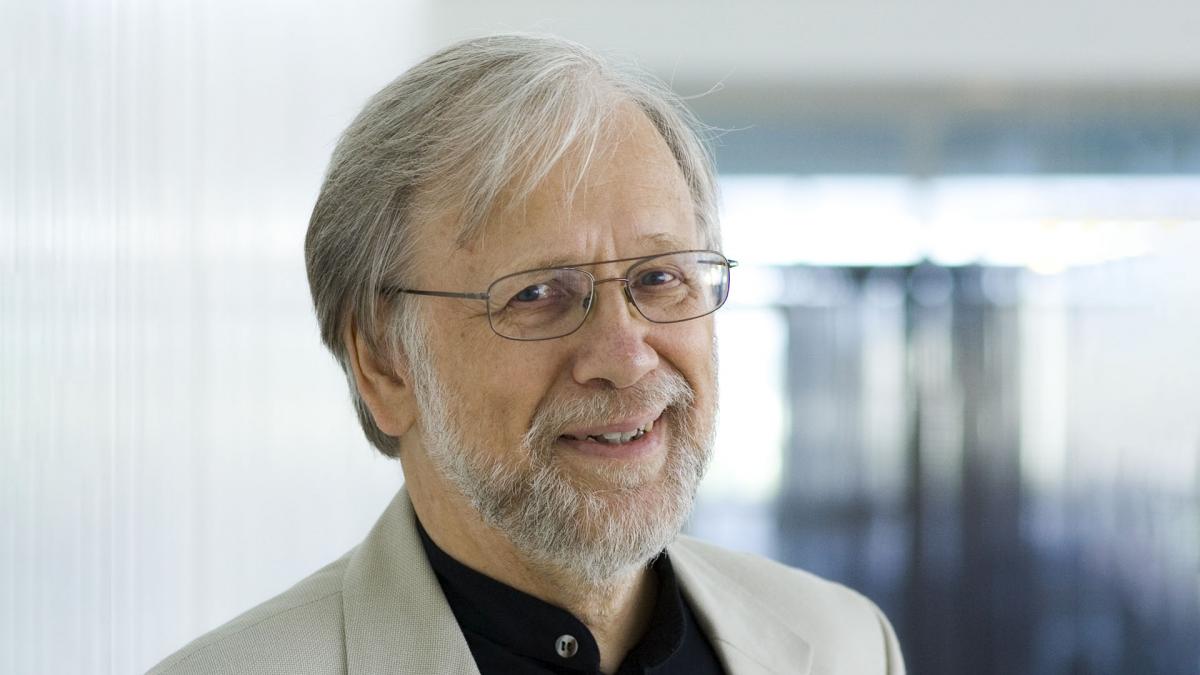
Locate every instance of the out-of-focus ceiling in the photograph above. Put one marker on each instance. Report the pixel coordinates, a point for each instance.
(917, 42)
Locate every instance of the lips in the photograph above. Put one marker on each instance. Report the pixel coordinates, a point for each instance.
(615, 434)
(633, 437)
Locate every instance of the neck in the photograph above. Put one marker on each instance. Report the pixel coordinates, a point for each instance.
(616, 611)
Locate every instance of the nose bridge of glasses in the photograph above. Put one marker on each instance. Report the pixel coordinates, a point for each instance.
(624, 281)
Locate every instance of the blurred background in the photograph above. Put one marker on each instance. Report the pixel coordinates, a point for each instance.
(959, 362)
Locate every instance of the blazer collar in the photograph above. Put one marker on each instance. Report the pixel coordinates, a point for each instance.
(398, 621)
(396, 618)
(748, 636)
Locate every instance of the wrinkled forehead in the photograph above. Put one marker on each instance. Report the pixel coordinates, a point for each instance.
(624, 185)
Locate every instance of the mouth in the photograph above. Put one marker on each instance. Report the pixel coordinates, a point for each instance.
(614, 437)
(622, 439)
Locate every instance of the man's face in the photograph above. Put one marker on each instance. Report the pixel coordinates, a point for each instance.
(516, 426)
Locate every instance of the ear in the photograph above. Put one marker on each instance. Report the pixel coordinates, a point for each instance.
(387, 391)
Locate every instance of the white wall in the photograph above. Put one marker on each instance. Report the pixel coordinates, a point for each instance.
(175, 444)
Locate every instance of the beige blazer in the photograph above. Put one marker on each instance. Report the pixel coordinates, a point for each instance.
(379, 609)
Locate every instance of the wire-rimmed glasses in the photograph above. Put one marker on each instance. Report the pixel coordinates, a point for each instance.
(552, 302)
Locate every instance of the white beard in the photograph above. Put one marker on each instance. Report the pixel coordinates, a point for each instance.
(594, 534)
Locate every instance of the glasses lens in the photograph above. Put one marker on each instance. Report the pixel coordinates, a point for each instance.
(680, 286)
(539, 304)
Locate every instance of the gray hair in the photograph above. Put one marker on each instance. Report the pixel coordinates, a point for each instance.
(472, 129)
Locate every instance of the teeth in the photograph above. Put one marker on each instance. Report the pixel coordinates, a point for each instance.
(614, 438)
(617, 438)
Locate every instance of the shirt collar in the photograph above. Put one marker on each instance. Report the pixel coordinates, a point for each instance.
(486, 607)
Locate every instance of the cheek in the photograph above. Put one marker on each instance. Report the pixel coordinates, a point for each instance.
(693, 357)
(690, 350)
(506, 385)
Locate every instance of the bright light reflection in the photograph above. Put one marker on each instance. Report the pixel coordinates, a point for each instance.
(781, 220)
(1047, 224)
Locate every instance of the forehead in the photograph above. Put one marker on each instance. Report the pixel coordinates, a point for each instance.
(624, 197)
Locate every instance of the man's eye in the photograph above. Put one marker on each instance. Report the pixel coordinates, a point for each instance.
(656, 278)
(533, 293)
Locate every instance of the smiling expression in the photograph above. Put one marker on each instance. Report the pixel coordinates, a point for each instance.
(604, 432)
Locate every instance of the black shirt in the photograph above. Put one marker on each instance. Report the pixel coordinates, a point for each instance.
(511, 632)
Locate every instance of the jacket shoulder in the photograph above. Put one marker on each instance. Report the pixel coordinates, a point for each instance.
(298, 631)
(774, 583)
(840, 622)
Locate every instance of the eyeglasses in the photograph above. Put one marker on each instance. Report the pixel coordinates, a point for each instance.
(552, 302)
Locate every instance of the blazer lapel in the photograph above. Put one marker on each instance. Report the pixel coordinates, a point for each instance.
(749, 639)
(398, 621)
(396, 618)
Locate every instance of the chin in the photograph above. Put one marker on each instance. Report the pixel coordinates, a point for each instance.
(608, 478)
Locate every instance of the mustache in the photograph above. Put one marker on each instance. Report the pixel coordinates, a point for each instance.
(560, 412)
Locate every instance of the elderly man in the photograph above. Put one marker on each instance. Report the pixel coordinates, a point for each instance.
(515, 258)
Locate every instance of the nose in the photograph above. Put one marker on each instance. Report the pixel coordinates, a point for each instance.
(613, 350)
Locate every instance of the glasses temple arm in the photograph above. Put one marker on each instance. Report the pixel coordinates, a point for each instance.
(438, 294)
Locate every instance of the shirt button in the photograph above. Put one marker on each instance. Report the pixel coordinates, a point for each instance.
(566, 646)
